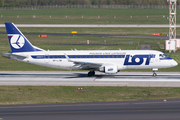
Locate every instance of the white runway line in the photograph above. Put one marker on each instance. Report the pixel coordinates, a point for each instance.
(95, 25)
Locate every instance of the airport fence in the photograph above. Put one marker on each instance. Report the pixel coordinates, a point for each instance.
(90, 6)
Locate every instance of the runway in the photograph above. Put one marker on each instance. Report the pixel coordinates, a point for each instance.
(96, 25)
(124, 110)
(79, 78)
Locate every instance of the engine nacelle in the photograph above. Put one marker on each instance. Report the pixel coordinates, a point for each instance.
(110, 69)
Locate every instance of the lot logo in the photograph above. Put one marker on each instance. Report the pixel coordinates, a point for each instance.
(110, 69)
(17, 41)
(138, 59)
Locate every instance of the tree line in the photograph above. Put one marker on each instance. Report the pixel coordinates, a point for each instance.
(23, 3)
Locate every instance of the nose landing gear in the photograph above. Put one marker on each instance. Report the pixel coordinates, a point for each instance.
(154, 72)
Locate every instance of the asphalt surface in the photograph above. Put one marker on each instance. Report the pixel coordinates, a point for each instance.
(79, 78)
(96, 25)
(125, 110)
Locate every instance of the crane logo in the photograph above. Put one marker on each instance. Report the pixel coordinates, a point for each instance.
(17, 41)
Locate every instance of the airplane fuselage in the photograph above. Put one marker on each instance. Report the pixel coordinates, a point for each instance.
(123, 59)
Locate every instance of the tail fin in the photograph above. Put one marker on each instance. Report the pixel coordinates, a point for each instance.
(17, 41)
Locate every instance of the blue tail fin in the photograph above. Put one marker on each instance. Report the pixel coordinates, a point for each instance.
(17, 41)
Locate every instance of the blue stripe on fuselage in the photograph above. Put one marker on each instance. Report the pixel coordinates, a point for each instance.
(75, 56)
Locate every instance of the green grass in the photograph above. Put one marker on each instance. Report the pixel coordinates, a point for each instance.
(65, 94)
(115, 31)
(87, 11)
(75, 19)
(90, 16)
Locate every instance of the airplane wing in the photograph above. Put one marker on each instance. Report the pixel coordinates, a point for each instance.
(82, 63)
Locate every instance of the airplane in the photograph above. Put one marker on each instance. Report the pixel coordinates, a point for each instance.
(106, 61)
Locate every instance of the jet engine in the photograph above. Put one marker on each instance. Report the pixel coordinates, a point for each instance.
(110, 69)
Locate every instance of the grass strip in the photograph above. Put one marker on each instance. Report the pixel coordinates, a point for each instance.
(66, 94)
(90, 16)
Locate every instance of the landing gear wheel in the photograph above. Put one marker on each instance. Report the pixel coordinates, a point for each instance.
(154, 71)
(154, 74)
(91, 73)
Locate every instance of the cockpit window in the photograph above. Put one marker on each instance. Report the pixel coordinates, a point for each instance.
(162, 55)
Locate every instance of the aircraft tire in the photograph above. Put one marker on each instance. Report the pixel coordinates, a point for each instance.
(91, 73)
(154, 74)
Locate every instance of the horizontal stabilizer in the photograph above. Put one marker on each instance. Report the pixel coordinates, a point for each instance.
(14, 56)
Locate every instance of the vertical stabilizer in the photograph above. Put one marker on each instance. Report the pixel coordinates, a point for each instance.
(17, 41)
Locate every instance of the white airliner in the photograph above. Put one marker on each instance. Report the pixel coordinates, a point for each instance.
(107, 61)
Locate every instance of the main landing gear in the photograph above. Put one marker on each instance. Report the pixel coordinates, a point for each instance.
(91, 73)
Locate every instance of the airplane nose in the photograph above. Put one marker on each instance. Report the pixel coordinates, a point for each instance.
(174, 63)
